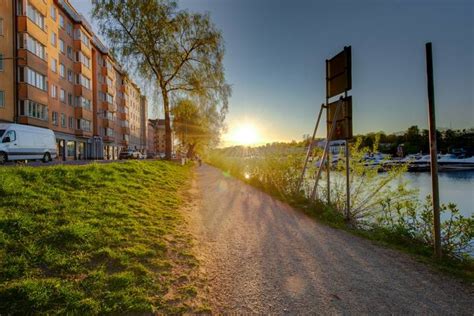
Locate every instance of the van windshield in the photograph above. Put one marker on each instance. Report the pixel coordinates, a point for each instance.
(2, 131)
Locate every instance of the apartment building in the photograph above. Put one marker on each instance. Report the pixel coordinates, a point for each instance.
(66, 80)
(7, 64)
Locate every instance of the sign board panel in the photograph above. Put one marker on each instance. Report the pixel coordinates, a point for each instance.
(343, 121)
(339, 73)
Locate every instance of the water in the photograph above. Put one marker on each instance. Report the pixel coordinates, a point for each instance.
(454, 186)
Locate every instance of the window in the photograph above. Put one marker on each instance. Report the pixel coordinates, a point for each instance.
(1, 26)
(62, 71)
(53, 12)
(69, 28)
(106, 97)
(1, 62)
(62, 96)
(71, 122)
(80, 57)
(70, 75)
(35, 16)
(80, 35)
(54, 91)
(83, 102)
(54, 118)
(108, 132)
(54, 39)
(28, 42)
(63, 120)
(33, 109)
(54, 65)
(2, 99)
(11, 135)
(61, 21)
(61, 45)
(33, 78)
(70, 53)
(83, 124)
(83, 80)
(69, 99)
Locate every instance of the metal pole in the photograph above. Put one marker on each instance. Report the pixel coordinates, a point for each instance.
(326, 147)
(328, 165)
(433, 152)
(348, 171)
(310, 148)
(348, 185)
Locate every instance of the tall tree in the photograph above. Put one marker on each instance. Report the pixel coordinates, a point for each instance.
(181, 51)
(197, 127)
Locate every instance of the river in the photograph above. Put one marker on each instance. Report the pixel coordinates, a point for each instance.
(454, 186)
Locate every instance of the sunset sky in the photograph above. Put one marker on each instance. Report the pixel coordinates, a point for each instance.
(276, 51)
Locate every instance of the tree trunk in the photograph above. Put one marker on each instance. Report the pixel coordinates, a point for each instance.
(166, 106)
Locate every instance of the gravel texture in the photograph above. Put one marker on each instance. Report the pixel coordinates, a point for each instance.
(261, 256)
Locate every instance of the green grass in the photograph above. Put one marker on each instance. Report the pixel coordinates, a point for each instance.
(101, 238)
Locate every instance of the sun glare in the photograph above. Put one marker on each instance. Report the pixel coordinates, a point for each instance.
(245, 134)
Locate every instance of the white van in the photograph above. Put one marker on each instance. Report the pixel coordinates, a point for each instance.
(25, 142)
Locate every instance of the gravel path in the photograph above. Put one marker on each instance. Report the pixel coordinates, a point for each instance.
(261, 256)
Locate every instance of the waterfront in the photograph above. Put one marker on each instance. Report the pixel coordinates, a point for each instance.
(455, 187)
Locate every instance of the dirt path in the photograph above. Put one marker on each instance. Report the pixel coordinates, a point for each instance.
(261, 256)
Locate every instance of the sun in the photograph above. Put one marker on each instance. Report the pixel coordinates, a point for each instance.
(245, 134)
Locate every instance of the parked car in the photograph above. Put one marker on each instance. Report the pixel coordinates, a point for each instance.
(129, 154)
(25, 142)
(141, 155)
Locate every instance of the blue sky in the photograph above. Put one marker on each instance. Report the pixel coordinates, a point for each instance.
(276, 51)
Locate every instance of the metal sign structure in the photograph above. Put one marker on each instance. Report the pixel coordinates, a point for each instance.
(343, 121)
(339, 73)
(338, 118)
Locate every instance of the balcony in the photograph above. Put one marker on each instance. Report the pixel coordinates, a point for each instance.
(83, 133)
(123, 116)
(80, 46)
(108, 106)
(108, 123)
(124, 143)
(79, 68)
(33, 121)
(107, 88)
(27, 58)
(25, 25)
(79, 90)
(109, 139)
(84, 113)
(126, 130)
(28, 92)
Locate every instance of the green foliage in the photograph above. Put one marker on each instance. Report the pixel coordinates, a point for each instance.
(197, 127)
(414, 220)
(92, 239)
(415, 141)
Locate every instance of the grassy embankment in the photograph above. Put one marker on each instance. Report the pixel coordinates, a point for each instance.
(95, 239)
(278, 175)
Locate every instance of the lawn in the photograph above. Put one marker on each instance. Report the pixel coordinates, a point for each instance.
(100, 238)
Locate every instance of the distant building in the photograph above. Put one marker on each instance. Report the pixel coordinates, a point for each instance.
(335, 146)
(151, 145)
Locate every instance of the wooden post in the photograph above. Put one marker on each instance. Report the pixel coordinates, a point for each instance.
(433, 152)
